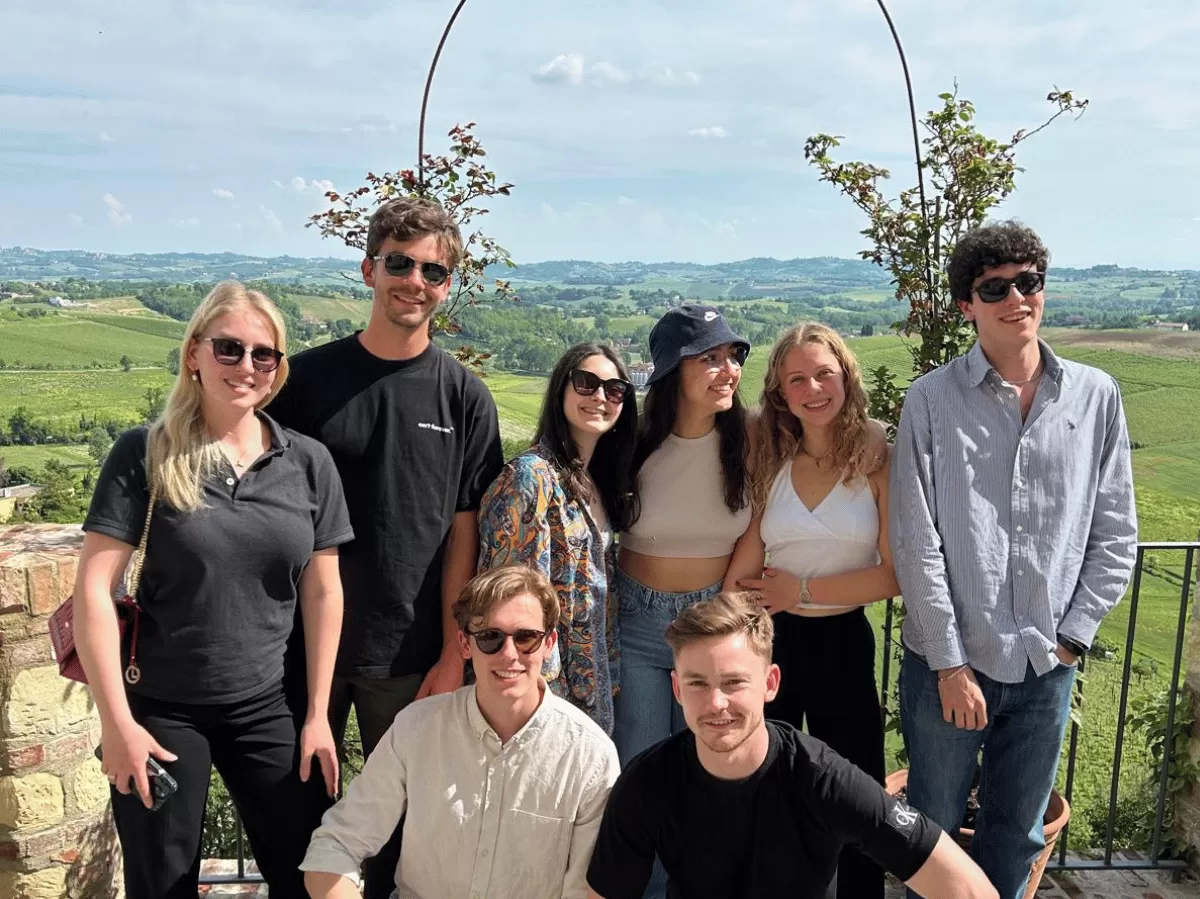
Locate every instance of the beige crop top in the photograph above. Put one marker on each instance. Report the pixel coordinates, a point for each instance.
(684, 515)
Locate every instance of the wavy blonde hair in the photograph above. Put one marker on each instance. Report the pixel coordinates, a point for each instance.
(181, 450)
(778, 433)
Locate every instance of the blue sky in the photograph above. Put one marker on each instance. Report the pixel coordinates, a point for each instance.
(633, 129)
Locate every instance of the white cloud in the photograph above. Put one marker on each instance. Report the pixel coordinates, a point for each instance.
(106, 137)
(623, 200)
(222, 193)
(668, 77)
(566, 67)
(572, 68)
(299, 185)
(74, 219)
(116, 210)
(709, 131)
(271, 219)
(187, 223)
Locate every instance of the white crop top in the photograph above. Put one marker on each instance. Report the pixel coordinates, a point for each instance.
(839, 535)
(682, 491)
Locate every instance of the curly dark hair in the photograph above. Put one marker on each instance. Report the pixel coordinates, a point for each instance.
(991, 245)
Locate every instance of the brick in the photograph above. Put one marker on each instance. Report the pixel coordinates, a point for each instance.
(43, 596)
(67, 856)
(48, 884)
(26, 757)
(69, 747)
(32, 801)
(43, 703)
(89, 786)
(13, 584)
(28, 653)
(40, 844)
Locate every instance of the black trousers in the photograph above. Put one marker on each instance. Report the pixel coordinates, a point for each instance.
(255, 746)
(828, 682)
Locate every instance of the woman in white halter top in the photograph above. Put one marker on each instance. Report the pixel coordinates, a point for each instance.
(819, 495)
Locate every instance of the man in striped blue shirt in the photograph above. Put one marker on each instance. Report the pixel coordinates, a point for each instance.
(1013, 532)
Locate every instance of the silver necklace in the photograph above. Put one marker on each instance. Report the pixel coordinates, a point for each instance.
(1037, 374)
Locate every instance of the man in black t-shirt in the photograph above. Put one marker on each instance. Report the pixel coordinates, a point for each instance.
(738, 807)
(416, 441)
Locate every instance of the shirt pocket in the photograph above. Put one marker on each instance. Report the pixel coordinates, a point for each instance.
(543, 868)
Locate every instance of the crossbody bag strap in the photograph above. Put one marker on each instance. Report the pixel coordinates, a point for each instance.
(133, 673)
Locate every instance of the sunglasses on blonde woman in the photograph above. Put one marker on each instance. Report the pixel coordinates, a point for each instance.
(490, 640)
(229, 351)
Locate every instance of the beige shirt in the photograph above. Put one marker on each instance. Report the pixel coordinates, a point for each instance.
(484, 820)
(682, 492)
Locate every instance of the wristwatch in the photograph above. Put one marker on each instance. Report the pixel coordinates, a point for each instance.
(805, 596)
(1072, 646)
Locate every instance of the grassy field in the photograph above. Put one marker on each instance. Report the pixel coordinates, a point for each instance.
(62, 396)
(81, 340)
(329, 309)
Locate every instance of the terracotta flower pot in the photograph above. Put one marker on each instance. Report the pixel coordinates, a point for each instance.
(1058, 813)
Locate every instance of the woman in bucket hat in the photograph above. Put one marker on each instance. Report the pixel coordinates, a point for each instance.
(691, 505)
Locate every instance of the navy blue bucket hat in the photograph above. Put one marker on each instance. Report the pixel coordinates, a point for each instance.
(688, 330)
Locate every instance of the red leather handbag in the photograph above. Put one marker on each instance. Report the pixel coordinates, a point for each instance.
(62, 629)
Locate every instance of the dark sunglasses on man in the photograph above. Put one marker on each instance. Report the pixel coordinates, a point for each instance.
(229, 351)
(401, 266)
(490, 640)
(994, 290)
(586, 383)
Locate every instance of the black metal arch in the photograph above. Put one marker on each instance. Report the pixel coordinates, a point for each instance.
(912, 112)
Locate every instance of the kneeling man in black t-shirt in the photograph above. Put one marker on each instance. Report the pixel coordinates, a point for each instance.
(737, 806)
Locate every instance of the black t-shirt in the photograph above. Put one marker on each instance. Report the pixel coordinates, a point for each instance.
(773, 835)
(220, 584)
(415, 442)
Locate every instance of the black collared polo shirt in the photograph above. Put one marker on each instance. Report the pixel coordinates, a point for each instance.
(220, 584)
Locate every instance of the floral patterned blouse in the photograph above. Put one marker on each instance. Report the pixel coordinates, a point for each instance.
(526, 517)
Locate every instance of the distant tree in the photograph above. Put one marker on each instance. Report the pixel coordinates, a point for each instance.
(156, 400)
(459, 181)
(173, 361)
(24, 431)
(98, 444)
(867, 330)
(126, 363)
(61, 498)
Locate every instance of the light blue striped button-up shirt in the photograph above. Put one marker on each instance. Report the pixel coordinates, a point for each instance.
(1006, 533)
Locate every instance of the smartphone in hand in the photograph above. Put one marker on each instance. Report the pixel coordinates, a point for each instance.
(162, 784)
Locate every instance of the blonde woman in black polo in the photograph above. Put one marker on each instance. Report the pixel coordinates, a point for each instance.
(246, 520)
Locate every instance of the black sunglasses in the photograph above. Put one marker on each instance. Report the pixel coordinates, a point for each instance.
(993, 290)
(490, 640)
(434, 273)
(229, 351)
(586, 383)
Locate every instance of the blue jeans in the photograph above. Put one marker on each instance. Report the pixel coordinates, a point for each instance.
(1021, 745)
(645, 711)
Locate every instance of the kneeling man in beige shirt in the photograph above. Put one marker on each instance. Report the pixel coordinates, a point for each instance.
(501, 784)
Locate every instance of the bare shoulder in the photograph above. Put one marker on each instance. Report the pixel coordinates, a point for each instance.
(878, 454)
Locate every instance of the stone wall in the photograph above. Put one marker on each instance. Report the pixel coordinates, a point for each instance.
(56, 833)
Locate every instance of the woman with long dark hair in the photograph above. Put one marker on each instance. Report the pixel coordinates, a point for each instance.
(556, 506)
(691, 506)
(820, 495)
(245, 519)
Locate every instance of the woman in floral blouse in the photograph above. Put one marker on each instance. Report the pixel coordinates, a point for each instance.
(556, 506)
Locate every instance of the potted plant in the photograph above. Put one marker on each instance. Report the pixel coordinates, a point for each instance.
(1058, 813)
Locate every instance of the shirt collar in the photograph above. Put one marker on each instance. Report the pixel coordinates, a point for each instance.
(481, 729)
(279, 440)
(978, 366)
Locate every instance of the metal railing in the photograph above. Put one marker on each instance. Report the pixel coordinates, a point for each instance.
(1148, 859)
